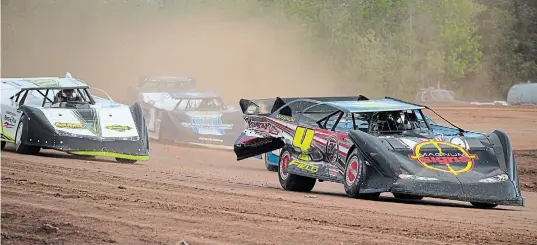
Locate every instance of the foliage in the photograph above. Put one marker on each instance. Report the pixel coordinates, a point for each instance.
(393, 45)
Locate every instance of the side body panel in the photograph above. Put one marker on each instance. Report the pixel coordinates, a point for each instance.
(316, 152)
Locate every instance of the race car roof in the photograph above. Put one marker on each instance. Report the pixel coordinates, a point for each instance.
(166, 79)
(374, 105)
(42, 83)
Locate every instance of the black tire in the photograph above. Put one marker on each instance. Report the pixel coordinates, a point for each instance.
(484, 205)
(407, 196)
(20, 147)
(268, 166)
(292, 182)
(3, 144)
(123, 160)
(355, 173)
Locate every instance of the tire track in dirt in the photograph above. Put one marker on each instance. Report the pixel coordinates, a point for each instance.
(229, 210)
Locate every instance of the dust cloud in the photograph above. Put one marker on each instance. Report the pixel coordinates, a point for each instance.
(110, 46)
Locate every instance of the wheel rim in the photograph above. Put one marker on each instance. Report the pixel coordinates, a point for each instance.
(352, 171)
(19, 134)
(285, 159)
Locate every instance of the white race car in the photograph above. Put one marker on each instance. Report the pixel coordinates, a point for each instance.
(36, 113)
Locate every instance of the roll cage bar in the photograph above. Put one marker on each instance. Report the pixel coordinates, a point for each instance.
(24, 93)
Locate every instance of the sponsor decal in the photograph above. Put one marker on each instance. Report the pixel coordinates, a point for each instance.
(8, 125)
(332, 149)
(260, 126)
(308, 167)
(443, 156)
(45, 83)
(285, 118)
(9, 121)
(119, 128)
(69, 125)
(203, 122)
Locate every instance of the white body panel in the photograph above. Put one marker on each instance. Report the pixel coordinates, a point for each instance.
(111, 119)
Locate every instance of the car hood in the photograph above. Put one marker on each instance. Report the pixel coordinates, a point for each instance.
(437, 157)
(99, 121)
(466, 159)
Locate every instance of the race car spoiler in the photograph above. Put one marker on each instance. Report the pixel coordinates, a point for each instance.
(269, 106)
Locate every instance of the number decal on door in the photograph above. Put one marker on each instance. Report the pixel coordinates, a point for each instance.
(302, 140)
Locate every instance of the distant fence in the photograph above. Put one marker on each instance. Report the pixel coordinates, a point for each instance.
(523, 93)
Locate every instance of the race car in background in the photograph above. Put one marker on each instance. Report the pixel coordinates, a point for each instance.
(92, 126)
(176, 111)
(375, 146)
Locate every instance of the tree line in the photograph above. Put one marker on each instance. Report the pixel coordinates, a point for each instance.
(475, 47)
(466, 45)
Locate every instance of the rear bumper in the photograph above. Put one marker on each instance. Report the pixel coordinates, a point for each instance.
(501, 193)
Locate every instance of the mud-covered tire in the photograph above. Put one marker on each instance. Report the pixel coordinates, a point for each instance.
(484, 205)
(3, 145)
(268, 166)
(123, 160)
(407, 196)
(292, 182)
(355, 172)
(20, 147)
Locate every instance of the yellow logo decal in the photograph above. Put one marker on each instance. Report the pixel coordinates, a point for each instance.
(456, 160)
(302, 140)
(118, 128)
(69, 125)
(305, 166)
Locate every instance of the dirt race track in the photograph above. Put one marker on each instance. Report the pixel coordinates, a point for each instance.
(206, 197)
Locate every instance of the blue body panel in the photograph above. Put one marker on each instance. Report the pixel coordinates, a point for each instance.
(373, 105)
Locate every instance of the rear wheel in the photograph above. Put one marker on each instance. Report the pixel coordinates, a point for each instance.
(3, 144)
(292, 182)
(355, 172)
(269, 167)
(484, 205)
(20, 147)
(407, 196)
(123, 160)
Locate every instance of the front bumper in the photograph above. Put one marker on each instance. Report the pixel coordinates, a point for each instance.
(501, 193)
(118, 148)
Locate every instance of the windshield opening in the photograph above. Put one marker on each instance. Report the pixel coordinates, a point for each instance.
(54, 97)
(201, 104)
(389, 122)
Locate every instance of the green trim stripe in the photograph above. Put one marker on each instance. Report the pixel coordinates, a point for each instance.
(110, 154)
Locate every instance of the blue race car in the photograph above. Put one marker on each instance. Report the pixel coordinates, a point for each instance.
(175, 110)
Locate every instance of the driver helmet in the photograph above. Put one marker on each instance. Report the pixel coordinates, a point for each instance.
(68, 93)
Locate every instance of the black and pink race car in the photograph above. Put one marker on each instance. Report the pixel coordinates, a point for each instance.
(375, 146)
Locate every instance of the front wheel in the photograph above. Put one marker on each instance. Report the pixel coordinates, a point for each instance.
(20, 147)
(292, 182)
(355, 173)
(3, 144)
(484, 205)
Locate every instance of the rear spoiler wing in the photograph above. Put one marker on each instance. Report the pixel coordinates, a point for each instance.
(269, 106)
(186, 82)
